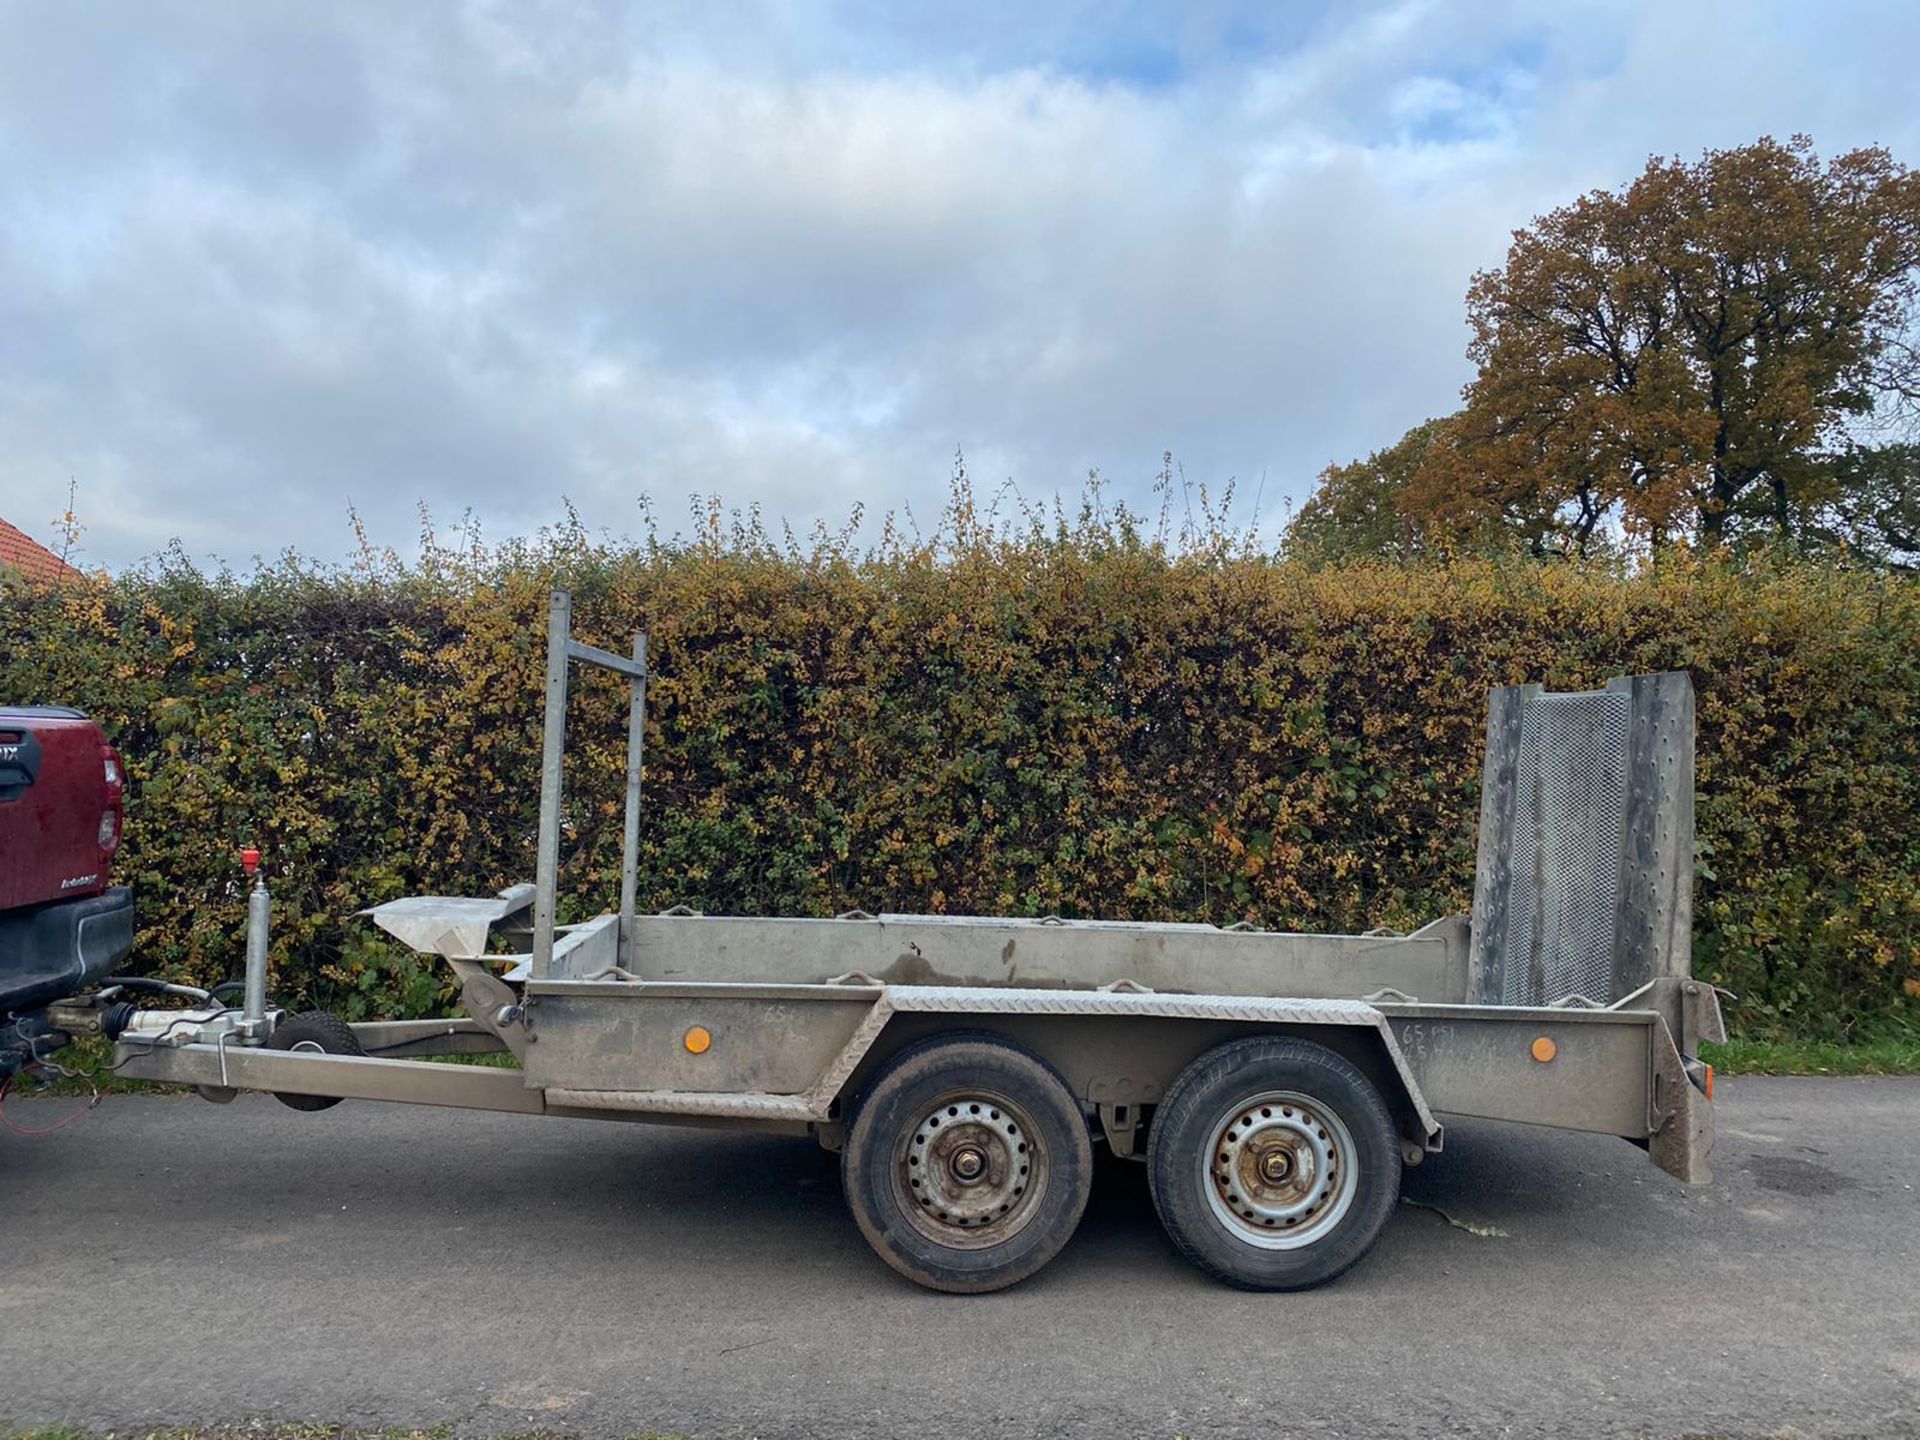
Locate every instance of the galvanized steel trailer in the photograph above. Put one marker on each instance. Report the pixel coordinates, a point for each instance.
(1273, 1084)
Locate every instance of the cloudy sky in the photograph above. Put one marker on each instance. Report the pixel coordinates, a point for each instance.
(261, 262)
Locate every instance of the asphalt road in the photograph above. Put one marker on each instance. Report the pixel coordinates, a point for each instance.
(168, 1261)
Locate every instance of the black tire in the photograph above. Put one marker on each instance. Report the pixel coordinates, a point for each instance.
(1292, 1199)
(932, 1114)
(310, 1030)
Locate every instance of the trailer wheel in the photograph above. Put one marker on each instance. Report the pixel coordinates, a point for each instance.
(318, 1032)
(1274, 1163)
(968, 1164)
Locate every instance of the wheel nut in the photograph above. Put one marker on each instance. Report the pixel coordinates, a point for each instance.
(1276, 1167)
(967, 1163)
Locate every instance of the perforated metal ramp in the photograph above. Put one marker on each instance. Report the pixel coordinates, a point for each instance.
(1583, 887)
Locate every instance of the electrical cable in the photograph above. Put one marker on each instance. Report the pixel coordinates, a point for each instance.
(152, 1041)
(89, 1077)
(6, 1086)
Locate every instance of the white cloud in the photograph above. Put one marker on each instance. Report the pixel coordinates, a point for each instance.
(255, 261)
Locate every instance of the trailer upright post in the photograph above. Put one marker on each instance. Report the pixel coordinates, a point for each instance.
(630, 837)
(546, 865)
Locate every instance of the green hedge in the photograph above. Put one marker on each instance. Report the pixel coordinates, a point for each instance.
(1068, 721)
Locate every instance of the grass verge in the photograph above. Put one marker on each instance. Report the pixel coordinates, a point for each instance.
(1887, 1055)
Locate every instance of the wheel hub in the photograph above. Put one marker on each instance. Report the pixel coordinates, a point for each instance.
(972, 1170)
(1276, 1165)
(1280, 1171)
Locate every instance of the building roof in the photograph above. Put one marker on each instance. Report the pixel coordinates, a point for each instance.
(20, 551)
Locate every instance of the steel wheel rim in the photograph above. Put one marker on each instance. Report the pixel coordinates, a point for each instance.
(1280, 1170)
(972, 1173)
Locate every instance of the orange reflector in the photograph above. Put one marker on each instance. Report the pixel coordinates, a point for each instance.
(1708, 1087)
(1544, 1049)
(697, 1040)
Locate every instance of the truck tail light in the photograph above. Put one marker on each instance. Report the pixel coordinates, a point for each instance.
(116, 781)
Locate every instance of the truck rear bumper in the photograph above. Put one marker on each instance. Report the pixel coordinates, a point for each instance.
(49, 952)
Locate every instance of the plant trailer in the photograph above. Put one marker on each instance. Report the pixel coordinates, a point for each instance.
(1274, 1085)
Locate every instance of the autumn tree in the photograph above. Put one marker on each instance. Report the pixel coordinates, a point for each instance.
(1871, 508)
(1694, 351)
(1355, 510)
(1700, 355)
(1375, 507)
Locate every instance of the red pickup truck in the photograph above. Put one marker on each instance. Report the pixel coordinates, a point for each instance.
(62, 926)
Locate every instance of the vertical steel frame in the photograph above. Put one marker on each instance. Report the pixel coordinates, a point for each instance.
(630, 830)
(562, 650)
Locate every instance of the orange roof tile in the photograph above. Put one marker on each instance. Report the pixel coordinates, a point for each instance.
(20, 551)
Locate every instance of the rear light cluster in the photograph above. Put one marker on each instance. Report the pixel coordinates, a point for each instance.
(110, 818)
(1700, 1073)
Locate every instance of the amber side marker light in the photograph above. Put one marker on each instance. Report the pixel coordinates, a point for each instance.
(697, 1040)
(1543, 1049)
